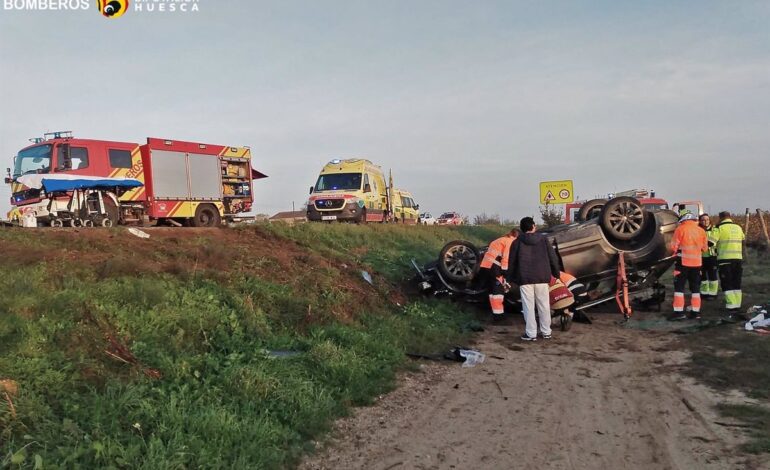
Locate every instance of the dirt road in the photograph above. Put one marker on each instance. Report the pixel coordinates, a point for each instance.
(597, 397)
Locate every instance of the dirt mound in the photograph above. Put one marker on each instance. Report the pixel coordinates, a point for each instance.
(183, 252)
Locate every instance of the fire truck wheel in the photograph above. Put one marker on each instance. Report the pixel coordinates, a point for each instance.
(112, 212)
(206, 215)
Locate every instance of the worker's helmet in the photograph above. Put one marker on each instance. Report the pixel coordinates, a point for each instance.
(687, 216)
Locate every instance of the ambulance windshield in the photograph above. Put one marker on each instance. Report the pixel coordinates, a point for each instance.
(331, 182)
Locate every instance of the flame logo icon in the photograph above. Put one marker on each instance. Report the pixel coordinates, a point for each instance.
(112, 8)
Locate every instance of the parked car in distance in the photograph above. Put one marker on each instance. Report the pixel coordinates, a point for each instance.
(427, 219)
(450, 218)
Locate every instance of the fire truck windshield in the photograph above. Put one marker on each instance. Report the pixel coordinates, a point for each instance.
(330, 182)
(33, 160)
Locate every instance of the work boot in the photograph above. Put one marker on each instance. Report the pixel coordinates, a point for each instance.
(693, 315)
(734, 316)
(677, 316)
(497, 318)
(566, 322)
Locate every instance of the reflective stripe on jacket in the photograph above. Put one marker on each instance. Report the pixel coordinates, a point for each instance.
(689, 243)
(712, 236)
(497, 253)
(730, 240)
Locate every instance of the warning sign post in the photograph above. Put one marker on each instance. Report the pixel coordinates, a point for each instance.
(556, 192)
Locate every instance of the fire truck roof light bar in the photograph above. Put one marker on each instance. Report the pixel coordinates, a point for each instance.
(57, 135)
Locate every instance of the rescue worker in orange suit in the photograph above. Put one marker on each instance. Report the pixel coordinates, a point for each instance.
(494, 266)
(689, 243)
(579, 294)
(577, 288)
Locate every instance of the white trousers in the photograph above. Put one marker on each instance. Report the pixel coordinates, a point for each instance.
(532, 295)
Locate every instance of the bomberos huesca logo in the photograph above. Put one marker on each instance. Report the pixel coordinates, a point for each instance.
(107, 8)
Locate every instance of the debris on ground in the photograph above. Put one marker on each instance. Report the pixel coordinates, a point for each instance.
(282, 354)
(760, 322)
(367, 277)
(138, 233)
(469, 357)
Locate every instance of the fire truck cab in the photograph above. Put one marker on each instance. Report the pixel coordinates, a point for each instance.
(182, 182)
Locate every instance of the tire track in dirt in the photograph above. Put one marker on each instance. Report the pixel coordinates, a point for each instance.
(599, 396)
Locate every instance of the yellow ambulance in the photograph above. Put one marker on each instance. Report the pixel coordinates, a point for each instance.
(405, 210)
(352, 190)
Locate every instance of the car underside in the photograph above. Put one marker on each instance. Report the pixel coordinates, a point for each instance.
(591, 250)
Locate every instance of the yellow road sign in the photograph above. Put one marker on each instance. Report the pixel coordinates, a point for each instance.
(556, 192)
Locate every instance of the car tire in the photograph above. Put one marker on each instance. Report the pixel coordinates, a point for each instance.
(590, 210)
(623, 218)
(459, 261)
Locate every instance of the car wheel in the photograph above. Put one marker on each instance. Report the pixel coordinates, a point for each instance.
(459, 261)
(623, 218)
(591, 209)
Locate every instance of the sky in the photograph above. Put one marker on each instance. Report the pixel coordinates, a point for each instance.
(470, 104)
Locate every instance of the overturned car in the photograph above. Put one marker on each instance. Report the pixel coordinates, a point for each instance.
(621, 237)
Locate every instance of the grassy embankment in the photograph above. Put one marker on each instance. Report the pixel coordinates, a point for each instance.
(729, 358)
(120, 352)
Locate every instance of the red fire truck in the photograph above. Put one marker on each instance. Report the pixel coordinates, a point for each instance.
(187, 183)
(584, 210)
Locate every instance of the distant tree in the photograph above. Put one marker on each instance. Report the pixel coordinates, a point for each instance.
(484, 219)
(551, 216)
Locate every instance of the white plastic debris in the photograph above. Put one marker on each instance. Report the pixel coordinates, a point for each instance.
(138, 233)
(367, 277)
(472, 357)
(758, 321)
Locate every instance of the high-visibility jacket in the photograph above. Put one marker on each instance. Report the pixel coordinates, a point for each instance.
(712, 236)
(577, 288)
(729, 240)
(497, 253)
(689, 243)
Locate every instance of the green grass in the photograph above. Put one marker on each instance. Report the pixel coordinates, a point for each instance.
(206, 325)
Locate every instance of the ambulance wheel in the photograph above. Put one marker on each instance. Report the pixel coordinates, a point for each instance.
(57, 223)
(623, 218)
(459, 261)
(106, 222)
(206, 215)
(73, 223)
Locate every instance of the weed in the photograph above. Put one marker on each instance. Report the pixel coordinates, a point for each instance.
(221, 401)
